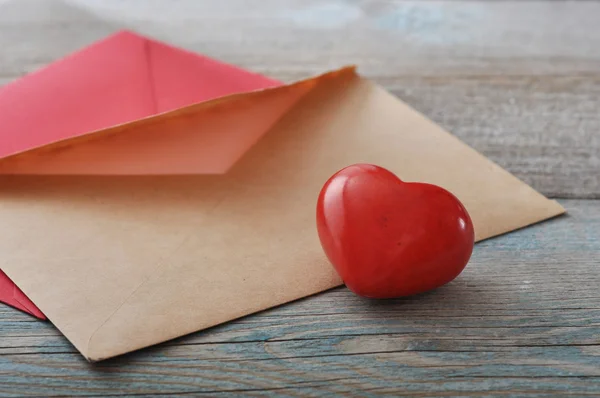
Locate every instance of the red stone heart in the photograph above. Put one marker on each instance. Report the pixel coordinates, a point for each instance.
(388, 238)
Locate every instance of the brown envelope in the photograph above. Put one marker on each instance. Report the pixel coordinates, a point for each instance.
(118, 263)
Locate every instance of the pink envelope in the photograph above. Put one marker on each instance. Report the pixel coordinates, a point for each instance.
(120, 79)
(13, 296)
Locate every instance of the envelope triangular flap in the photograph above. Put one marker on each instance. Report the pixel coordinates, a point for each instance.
(203, 138)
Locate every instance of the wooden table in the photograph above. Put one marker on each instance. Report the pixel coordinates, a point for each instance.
(519, 81)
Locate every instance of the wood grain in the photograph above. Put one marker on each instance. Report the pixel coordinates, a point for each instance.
(524, 318)
(518, 81)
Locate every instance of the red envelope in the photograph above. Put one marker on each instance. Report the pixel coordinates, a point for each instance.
(13, 296)
(122, 78)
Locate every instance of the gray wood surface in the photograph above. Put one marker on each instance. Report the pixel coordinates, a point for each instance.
(519, 81)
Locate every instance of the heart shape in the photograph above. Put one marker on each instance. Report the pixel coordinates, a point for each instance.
(388, 238)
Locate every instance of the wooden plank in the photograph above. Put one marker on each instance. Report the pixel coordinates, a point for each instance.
(523, 318)
(519, 81)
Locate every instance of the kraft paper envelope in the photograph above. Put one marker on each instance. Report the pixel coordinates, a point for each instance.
(158, 237)
(115, 80)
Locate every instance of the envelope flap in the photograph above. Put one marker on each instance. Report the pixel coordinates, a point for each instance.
(203, 138)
